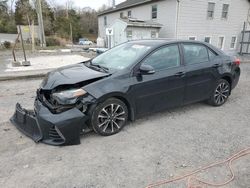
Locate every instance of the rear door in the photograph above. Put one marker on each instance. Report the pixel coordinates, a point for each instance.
(164, 88)
(201, 65)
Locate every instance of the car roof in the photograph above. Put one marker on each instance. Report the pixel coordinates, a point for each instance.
(160, 42)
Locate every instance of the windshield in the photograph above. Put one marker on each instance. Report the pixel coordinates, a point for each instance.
(121, 57)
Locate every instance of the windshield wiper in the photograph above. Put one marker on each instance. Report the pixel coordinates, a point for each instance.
(105, 69)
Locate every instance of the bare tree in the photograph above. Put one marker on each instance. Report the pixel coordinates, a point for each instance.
(3, 5)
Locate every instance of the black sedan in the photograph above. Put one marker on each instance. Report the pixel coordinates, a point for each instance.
(131, 80)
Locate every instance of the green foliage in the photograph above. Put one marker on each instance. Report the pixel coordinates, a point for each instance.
(52, 41)
(56, 20)
(7, 44)
(7, 23)
(3, 5)
(23, 11)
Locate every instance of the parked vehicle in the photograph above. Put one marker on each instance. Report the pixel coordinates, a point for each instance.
(85, 41)
(131, 80)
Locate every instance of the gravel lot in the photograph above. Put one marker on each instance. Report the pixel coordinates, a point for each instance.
(153, 148)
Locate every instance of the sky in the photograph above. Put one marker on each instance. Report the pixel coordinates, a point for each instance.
(86, 3)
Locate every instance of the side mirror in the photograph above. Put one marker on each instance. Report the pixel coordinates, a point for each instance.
(146, 69)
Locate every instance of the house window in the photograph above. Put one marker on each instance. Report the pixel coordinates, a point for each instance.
(129, 14)
(121, 14)
(129, 34)
(154, 11)
(233, 42)
(105, 20)
(221, 42)
(225, 8)
(207, 40)
(210, 10)
(192, 38)
(153, 34)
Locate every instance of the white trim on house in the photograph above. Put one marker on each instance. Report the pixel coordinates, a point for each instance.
(235, 43)
(223, 44)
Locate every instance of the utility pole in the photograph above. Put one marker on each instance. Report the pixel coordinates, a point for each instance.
(70, 25)
(40, 23)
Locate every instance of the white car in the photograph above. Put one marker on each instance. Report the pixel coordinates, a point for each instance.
(85, 41)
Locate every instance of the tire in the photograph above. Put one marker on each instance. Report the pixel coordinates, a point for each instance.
(220, 93)
(109, 117)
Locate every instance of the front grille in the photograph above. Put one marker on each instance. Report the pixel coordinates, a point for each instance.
(55, 135)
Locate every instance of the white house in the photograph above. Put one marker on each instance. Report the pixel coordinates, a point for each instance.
(218, 22)
(131, 29)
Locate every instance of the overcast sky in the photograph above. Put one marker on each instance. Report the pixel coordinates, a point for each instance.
(86, 3)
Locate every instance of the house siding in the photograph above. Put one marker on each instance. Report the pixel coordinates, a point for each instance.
(193, 21)
(166, 14)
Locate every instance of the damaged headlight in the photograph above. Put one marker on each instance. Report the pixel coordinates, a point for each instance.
(68, 96)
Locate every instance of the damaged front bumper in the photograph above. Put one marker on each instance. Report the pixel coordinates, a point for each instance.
(44, 126)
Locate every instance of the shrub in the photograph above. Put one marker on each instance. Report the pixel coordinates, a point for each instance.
(7, 44)
(51, 41)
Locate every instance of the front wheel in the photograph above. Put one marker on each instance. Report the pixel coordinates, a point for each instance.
(221, 93)
(109, 117)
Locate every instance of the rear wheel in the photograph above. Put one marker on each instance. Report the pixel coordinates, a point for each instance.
(109, 117)
(221, 93)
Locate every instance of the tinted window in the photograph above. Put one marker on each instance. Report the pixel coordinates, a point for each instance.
(211, 54)
(166, 57)
(122, 56)
(194, 53)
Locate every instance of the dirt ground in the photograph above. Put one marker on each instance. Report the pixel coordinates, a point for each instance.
(153, 148)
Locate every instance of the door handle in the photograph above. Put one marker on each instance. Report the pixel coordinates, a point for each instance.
(216, 65)
(180, 74)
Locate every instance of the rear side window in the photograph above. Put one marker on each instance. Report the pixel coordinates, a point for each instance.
(195, 53)
(164, 58)
(211, 54)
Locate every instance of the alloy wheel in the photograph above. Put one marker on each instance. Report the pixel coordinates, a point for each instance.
(221, 93)
(111, 118)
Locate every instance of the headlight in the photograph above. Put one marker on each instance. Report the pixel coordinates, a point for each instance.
(68, 94)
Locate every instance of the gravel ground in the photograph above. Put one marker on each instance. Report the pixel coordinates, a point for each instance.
(153, 148)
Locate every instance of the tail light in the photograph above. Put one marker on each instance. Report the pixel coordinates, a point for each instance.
(237, 62)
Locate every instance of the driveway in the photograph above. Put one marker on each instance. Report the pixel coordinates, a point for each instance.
(153, 148)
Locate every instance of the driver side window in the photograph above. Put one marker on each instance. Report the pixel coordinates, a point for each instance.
(164, 58)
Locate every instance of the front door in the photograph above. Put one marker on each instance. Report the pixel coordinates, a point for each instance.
(164, 88)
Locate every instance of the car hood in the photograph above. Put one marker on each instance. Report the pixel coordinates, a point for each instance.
(68, 75)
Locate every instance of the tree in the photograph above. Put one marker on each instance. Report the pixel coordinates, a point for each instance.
(23, 11)
(89, 21)
(7, 24)
(3, 5)
(48, 18)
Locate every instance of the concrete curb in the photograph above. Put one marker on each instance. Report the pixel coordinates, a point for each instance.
(19, 77)
(24, 75)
